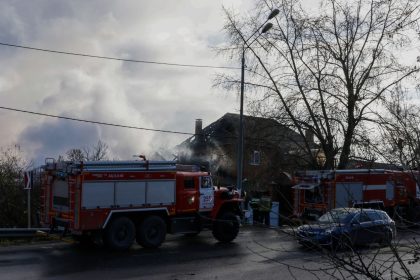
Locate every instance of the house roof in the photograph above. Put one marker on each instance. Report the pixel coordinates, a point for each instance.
(257, 129)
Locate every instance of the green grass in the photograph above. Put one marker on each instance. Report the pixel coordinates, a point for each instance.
(5, 242)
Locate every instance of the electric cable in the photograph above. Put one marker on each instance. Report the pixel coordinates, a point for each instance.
(95, 122)
(119, 59)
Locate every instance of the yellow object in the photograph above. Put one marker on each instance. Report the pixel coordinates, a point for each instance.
(265, 204)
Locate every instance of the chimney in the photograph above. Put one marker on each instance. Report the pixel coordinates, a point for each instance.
(198, 127)
(198, 148)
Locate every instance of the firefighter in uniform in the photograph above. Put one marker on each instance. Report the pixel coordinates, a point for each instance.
(255, 206)
(265, 208)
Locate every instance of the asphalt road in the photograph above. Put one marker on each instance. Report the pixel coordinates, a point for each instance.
(257, 253)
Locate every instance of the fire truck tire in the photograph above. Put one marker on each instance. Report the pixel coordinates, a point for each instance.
(120, 234)
(152, 232)
(226, 228)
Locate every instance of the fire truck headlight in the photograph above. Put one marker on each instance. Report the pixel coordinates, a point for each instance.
(191, 200)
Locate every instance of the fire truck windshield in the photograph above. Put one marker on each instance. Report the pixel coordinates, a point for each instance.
(206, 182)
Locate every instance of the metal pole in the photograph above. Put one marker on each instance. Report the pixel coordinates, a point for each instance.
(240, 151)
(29, 208)
(241, 128)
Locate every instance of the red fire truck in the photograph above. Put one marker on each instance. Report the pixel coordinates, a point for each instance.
(123, 201)
(397, 192)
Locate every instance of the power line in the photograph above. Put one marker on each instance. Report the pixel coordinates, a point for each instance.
(119, 59)
(123, 126)
(95, 122)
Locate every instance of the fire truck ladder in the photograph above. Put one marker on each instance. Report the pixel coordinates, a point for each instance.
(98, 166)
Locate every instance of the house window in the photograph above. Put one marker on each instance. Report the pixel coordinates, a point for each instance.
(255, 158)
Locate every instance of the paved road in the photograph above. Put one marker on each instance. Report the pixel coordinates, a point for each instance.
(257, 253)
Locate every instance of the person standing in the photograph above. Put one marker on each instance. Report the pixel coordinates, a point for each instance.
(265, 208)
(255, 206)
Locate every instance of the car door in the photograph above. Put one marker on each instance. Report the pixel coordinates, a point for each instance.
(380, 225)
(187, 194)
(361, 229)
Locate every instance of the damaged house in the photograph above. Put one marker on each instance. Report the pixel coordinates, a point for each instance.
(270, 150)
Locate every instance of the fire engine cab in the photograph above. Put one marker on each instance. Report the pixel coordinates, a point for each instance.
(397, 192)
(123, 201)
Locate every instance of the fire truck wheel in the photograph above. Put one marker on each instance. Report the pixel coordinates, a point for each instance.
(226, 228)
(119, 235)
(151, 232)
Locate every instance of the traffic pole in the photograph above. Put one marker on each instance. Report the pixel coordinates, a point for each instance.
(29, 208)
(28, 180)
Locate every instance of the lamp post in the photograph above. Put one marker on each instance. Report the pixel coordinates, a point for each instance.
(245, 46)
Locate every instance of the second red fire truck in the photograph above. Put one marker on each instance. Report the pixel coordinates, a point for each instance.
(397, 192)
(123, 201)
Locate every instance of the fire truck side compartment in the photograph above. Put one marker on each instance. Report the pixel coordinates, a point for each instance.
(346, 193)
(127, 194)
(60, 195)
(97, 195)
(130, 193)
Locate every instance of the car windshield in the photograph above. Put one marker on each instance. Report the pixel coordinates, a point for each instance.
(339, 216)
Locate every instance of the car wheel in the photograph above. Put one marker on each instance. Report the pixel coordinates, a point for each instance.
(341, 243)
(386, 238)
(414, 215)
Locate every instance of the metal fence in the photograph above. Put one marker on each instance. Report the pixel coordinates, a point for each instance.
(20, 232)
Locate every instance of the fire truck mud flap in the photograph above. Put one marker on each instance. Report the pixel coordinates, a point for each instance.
(226, 228)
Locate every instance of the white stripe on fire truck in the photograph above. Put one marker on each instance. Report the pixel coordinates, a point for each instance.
(133, 210)
(374, 187)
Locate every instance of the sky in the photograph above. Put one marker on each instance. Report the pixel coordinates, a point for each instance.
(132, 94)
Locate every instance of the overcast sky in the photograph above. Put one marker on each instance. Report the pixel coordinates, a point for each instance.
(134, 94)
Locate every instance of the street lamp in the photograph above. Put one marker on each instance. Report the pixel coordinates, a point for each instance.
(245, 46)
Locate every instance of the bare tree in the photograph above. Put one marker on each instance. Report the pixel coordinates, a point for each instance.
(329, 74)
(99, 151)
(75, 155)
(96, 152)
(326, 73)
(12, 193)
(400, 131)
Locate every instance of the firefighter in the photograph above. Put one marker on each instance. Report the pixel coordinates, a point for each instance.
(255, 206)
(265, 208)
